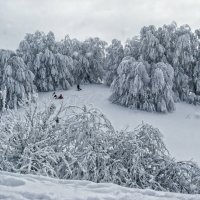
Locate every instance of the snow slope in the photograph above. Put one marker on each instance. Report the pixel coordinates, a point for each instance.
(181, 129)
(29, 187)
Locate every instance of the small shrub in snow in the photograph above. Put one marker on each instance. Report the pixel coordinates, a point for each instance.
(29, 144)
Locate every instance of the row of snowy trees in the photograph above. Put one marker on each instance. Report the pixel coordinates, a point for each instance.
(58, 65)
(169, 54)
(85, 146)
(43, 64)
(176, 48)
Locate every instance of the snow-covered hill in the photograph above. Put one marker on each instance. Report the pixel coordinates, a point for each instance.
(181, 129)
(29, 187)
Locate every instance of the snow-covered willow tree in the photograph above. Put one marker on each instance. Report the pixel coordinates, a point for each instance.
(150, 48)
(162, 76)
(196, 69)
(89, 58)
(16, 81)
(140, 85)
(181, 52)
(184, 62)
(167, 38)
(53, 71)
(132, 47)
(4, 56)
(30, 47)
(114, 56)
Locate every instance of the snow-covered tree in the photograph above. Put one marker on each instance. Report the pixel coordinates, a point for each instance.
(54, 71)
(167, 38)
(162, 76)
(132, 47)
(150, 48)
(181, 52)
(65, 46)
(32, 45)
(17, 83)
(140, 85)
(4, 56)
(114, 56)
(16, 80)
(184, 62)
(89, 59)
(196, 68)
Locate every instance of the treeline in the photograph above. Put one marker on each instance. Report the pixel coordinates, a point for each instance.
(150, 72)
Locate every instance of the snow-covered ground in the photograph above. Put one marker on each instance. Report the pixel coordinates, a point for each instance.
(29, 187)
(181, 129)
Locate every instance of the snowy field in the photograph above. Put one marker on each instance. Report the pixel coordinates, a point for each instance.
(29, 187)
(181, 129)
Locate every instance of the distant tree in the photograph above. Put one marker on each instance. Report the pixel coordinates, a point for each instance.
(114, 56)
(150, 49)
(132, 47)
(181, 52)
(140, 85)
(167, 38)
(184, 62)
(196, 68)
(89, 58)
(161, 87)
(32, 45)
(65, 46)
(17, 81)
(53, 71)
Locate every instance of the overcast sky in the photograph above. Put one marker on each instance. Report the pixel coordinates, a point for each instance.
(106, 19)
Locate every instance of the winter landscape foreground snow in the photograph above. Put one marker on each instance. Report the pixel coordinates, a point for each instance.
(30, 187)
(180, 129)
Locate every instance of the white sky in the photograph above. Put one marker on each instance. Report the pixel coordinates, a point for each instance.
(80, 19)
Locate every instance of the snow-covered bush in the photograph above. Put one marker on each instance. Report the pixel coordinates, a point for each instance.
(141, 153)
(183, 176)
(140, 85)
(88, 138)
(31, 143)
(16, 83)
(80, 143)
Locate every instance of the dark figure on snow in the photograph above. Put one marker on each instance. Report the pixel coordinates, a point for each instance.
(78, 87)
(54, 95)
(61, 97)
(57, 120)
